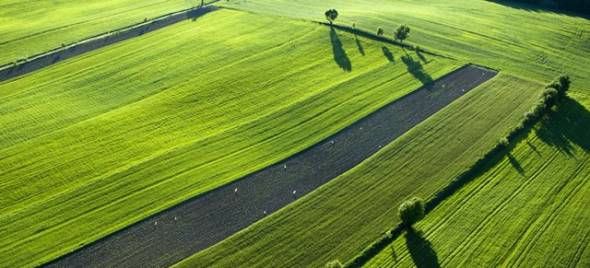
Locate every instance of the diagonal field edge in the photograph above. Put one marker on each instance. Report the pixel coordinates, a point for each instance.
(54, 56)
(179, 232)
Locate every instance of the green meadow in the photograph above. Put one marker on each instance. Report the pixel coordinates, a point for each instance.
(29, 27)
(535, 44)
(342, 217)
(528, 210)
(97, 142)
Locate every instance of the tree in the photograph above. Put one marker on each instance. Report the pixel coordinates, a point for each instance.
(331, 15)
(564, 84)
(380, 31)
(561, 84)
(411, 211)
(402, 33)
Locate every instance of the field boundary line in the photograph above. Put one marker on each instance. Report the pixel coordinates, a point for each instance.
(44, 59)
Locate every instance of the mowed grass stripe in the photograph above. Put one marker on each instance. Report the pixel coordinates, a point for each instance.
(542, 224)
(353, 210)
(183, 111)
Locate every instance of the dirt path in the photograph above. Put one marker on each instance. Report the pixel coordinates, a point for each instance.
(198, 223)
(54, 56)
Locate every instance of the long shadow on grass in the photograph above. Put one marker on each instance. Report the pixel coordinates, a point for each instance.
(340, 56)
(421, 250)
(359, 45)
(545, 7)
(416, 69)
(387, 53)
(567, 127)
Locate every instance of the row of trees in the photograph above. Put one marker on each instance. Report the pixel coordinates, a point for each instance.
(400, 34)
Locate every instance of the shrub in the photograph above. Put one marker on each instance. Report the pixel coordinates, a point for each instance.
(411, 211)
(380, 31)
(402, 33)
(334, 264)
(331, 15)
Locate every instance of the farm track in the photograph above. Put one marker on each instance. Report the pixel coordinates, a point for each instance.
(51, 57)
(198, 223)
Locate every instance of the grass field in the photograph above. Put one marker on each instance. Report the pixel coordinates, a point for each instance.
(103, 140)
(526, 211)
(345, 215)
(31, 27)
(534, 44)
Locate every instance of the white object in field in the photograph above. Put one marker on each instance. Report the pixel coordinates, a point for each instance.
(294, 192)
(155, 223)
(264, 212)
(236, 190)
(285, 166)
(332, 141)
(175, 218)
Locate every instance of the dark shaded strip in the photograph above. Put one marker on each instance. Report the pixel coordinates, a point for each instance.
(54, 56)
(183, 230)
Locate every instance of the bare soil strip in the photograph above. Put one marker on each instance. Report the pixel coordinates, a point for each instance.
(53, 56)
(181, 231)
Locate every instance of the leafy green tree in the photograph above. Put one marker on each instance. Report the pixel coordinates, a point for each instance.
(402, 33)
(331, 15)
(411, 211)
(380, 31)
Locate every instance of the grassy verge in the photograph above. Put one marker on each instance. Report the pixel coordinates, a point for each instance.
(525, 208)
(91, 145)
(32, 27)
(338, 220)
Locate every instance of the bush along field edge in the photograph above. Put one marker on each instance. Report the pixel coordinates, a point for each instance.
(553, 93)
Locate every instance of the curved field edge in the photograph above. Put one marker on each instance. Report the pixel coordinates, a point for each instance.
(64, 187)
(345, 215)
(538, 45)
(525, 209)
(30, 28)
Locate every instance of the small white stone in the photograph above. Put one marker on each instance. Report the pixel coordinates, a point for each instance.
(294, 192)
(236, 190)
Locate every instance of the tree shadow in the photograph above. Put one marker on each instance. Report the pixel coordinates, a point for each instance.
(340, 56)
(569, 125)
(421, 56)
(421, 250)
(394, 256)
(515, 163)
(545, 7)
(416, 69)
(359, 45)
(388, 54)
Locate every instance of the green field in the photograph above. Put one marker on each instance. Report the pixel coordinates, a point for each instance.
(526, 211)
(100, 141)
(90, 145)
(537, 45)
(31, 27)
(342, 217)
